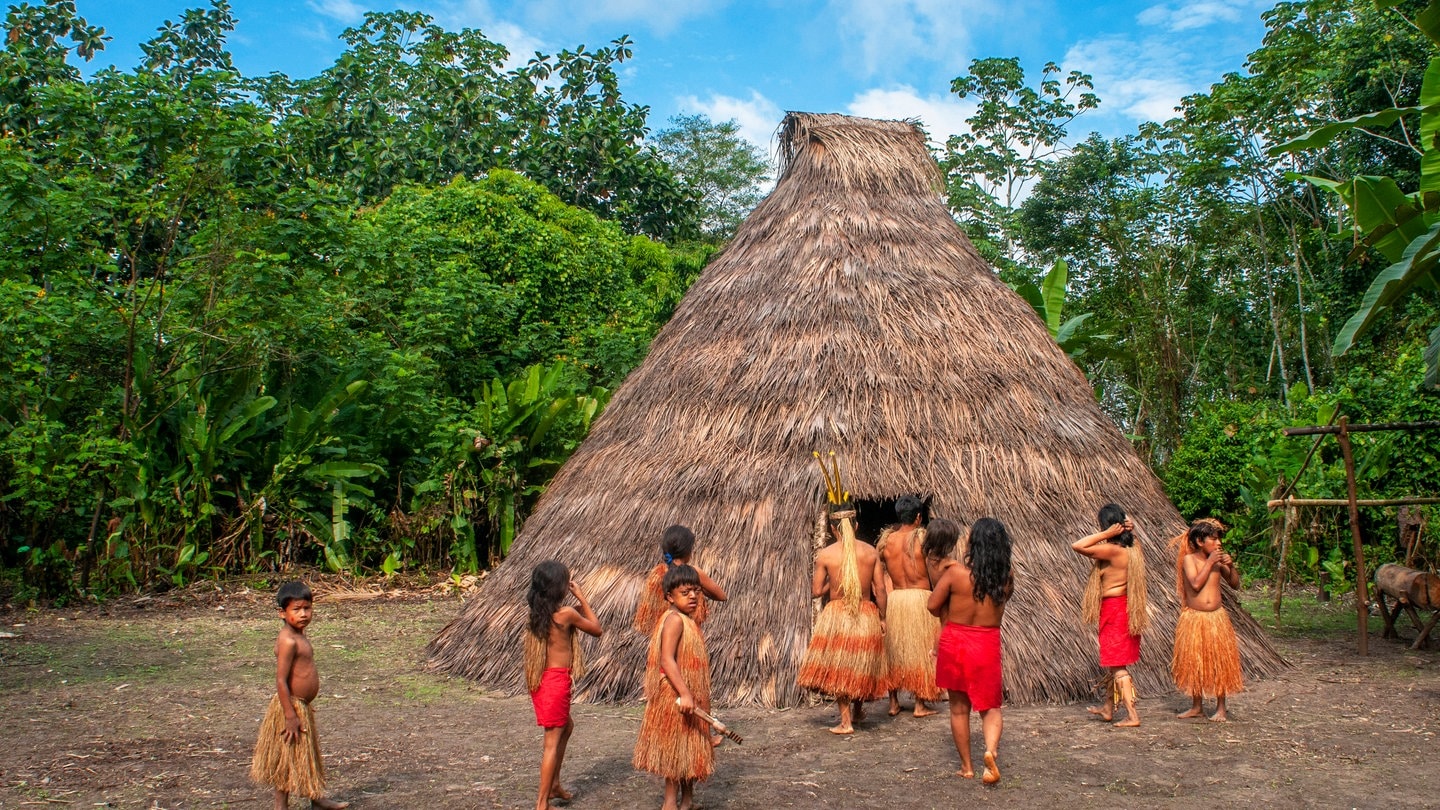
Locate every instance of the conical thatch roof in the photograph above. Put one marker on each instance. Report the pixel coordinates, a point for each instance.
(849, 313)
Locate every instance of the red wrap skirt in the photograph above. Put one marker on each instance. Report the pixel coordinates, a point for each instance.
(552, 699)
(968, 661)
(1117, 647)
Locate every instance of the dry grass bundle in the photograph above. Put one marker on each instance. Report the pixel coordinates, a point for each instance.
(849, 312)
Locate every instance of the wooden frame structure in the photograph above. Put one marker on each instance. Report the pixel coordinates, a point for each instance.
(1341, 432)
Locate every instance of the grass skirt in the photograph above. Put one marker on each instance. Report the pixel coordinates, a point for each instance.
(910, 634)
(671, 744)
(846, 657)
(1207, 658)
(290, 767)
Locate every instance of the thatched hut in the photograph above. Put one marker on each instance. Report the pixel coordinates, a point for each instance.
(849, 313)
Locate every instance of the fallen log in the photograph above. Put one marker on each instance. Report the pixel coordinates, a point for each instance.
(1409, 586)
(1412, 591)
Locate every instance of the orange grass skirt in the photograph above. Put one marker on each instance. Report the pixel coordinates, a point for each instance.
(910, 634)
(846, 657)
(671, 744)
(1207, 657)
(289, 767)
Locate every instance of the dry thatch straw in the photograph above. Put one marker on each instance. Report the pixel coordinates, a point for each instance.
(849, 313)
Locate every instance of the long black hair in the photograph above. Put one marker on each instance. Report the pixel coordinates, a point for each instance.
(548, 584)
(940, 539)
(1110, 514)
(988, 558)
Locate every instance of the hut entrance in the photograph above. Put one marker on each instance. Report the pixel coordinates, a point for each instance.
(873, 516)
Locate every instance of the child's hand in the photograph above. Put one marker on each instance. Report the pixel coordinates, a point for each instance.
(575, 590)
(686, 703)
(293, 730)
(1226, 560)
(1129, 525)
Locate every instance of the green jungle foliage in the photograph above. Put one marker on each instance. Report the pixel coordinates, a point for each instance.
(228, 347)
(359, 319)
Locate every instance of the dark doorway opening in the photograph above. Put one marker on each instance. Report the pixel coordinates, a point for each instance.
(873, 516)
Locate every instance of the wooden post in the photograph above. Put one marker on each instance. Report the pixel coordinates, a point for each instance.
(1362, 599)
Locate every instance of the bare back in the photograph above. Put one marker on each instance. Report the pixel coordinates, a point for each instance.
(1114, 570)
(953, 600)
(827, 570)
(904, 561)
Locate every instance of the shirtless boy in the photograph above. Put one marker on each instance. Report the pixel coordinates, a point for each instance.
(970, 598)
(910, 630)
(846, 656)
(287, 753)
(1207, 657)
(1115, 601)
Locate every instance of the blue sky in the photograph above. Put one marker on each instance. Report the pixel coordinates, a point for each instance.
(753, 60)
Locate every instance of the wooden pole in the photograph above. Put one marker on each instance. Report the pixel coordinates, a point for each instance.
(1312, 431)
(1288, 502)
(1362, 599)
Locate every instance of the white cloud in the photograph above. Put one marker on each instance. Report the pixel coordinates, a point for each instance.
(660, 16)
(1142, 80)
(1187, 16)
(758, 117)
(942, 116)
(348, 12)
(891, 33)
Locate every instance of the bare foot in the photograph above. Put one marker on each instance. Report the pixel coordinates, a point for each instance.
(327, 804)
(1193, 713)
(921, 710)
(1219, 717)
(1129, 722)
(842, 729)
(1107, 714)
(561, 793)
(894, 706)
(970, 774)
(992, 771)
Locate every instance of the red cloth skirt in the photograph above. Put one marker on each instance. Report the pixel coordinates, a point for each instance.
(1117, 647)
(552, 699)
(968, 661)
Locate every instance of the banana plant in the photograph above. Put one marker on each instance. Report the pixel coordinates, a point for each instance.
(514, 451)
(1404, 228)
(1049, 302)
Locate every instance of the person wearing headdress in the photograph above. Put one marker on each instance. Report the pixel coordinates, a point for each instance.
(677, 546)
(1115, 602)
(1206, 661)
(910, 629)
(846, 656)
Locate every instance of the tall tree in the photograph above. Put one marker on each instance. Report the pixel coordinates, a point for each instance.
(1015, 130)
(718, 167)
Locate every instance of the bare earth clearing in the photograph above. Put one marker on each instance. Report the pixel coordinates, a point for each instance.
(157, 706)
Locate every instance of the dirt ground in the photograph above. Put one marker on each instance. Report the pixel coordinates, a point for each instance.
(155, 703)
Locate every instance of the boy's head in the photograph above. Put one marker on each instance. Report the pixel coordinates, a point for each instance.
(1203, 530)
(1111, 514)
(908, 509)
(294, 599)
(682, 587)
(292, 591)
(678, 543)
(940, 538)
